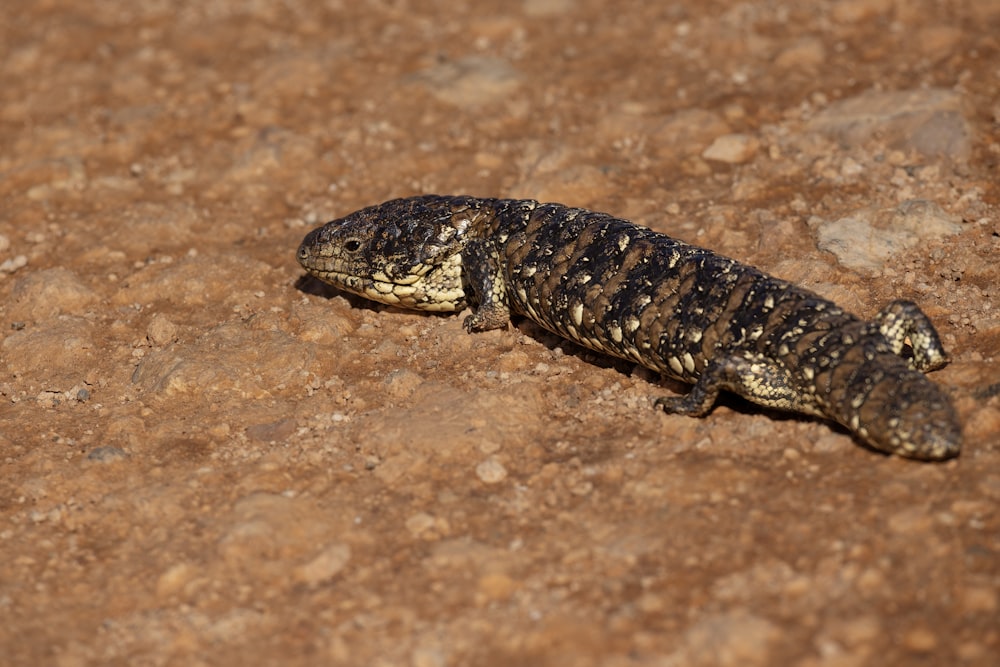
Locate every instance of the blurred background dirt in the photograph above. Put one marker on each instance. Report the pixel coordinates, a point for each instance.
(208, 460)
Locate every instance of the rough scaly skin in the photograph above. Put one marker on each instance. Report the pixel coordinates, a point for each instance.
(622, 289)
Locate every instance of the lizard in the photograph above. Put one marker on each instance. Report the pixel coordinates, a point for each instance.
(622, 289)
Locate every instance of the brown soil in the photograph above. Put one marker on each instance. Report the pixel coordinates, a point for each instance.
(208, 460)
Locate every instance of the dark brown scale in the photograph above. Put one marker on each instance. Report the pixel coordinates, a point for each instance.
(625, 290)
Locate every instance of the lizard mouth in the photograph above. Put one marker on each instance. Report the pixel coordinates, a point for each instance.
(406, 293)
(383, 291)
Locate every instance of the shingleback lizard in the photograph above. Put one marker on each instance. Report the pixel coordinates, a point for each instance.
(625, 290)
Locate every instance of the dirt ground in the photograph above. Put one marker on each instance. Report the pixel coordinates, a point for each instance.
(209, 460)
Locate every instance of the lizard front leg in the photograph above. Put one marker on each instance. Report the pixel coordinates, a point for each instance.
(480, 262)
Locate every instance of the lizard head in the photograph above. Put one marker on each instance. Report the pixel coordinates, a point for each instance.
(405, 252)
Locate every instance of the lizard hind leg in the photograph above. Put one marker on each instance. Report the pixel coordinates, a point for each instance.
(751, 376)
(903, 321)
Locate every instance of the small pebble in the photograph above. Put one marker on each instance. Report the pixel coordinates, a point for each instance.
(13, 264)
(920, 640)
(804, 53)
(174, 579)
(161, 330)
(106, 454)
(419, 523)
(732, 149)
(979, 600)
(496, 586)
(489, 446)
(427, 657)
(324, 566)
(491, 471)
(471, 81)
(402, 382)
(856, 11)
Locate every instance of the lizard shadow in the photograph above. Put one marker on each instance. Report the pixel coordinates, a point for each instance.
(626, 367)
(315, 287)
(309, 285)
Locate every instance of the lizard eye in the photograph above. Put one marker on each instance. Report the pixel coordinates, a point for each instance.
(352, 245)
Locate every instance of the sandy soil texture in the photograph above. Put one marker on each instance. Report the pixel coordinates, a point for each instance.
(209, 460)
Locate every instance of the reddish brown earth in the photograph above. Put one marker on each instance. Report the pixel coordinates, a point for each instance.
(207, 460)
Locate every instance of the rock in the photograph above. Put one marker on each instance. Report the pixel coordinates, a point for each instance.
(491, 471)
(929, 121)
(52, 354)
(471, 81)
(325, 566)
(44, 294)
(419, 523)
(106, 454)
(226, 359)
(270, 536)
(730, 639)
(161, 330)
(979, 600)
(866, 239)
(546, 8)
(910, 521)
(402, 382)
(806, 53)
(573, 183)
(920, 640)
(14, 263)
(856, 11)
(153, 228)
(174, 579)
(496, 586)
(687, 132)
(940, 41)
(277, 431)
(732, 149)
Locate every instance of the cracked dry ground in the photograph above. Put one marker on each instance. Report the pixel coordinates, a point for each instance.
(208, 460)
